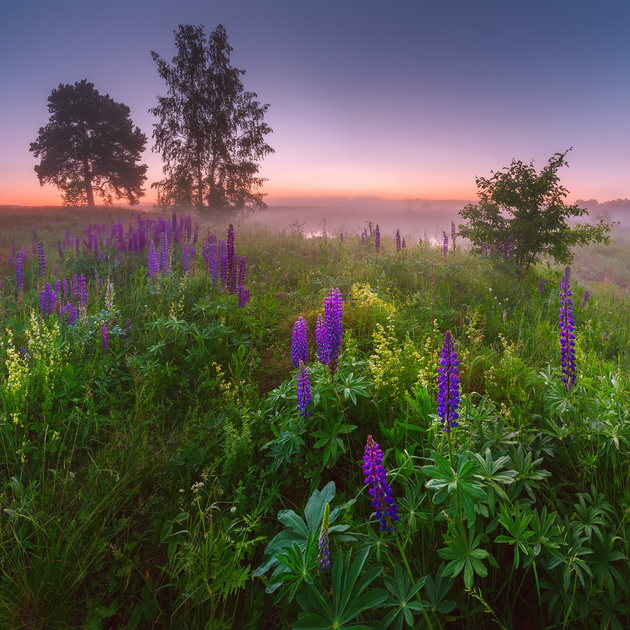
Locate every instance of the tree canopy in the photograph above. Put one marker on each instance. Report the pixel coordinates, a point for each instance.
(90, 146)
(522, 214)
(210, 131)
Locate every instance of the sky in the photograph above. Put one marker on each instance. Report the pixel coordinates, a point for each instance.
(396, 99)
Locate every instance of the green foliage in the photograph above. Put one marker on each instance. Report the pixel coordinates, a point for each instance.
(210, 131)
(518, 203)
(90, 146)
(349, 599)
(178, 447)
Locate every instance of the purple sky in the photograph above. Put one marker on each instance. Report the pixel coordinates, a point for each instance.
(398, 99)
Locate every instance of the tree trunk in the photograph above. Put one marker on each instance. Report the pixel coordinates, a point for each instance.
(87, 177)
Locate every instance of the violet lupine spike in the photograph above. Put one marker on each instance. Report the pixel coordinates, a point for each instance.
(541, 287)
(212, 262)
(184, 258)
(19, 277)
(585, 300)
(453, 234)
(567, 335)
(377, 238)
(82, 290)
(41, 259)
(323, 545)
(448, 384)
(333, 311)
(379, 489)
(104, 337)
(303, 391)
(403, 244)
(398, 244)
(321, 339)
(445, 246)
(242, 271)
(299, 343)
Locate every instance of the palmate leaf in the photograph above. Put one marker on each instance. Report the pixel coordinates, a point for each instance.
(300, 531)
(402, 599)
(349, 599)
(461, 485)
(463, 551)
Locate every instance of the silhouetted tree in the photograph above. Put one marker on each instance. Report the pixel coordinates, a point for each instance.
(210, 133)
(527, 210)
(90, 146)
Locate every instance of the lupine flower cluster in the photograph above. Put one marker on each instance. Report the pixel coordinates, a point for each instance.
(567, 336)
(379, 489)
(453, 234)
(398, 244)
(585, 300)
(41, 260)
(323, 557)
(448, 384)
(445, 246)
(541, 287)
(299, 344)
(19, 278)
(104, 337)
(303, 391)
(329, 330)
(377, 239)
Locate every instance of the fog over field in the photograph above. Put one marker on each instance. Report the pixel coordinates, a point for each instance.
(415, 218)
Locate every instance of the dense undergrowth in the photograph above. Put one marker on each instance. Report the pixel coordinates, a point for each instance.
(156, 472)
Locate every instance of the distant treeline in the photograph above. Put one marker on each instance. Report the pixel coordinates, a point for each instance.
(613, 204)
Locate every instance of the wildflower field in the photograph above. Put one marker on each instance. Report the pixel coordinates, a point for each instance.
(213, 426)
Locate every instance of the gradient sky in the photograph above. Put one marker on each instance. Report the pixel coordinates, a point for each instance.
(396, 98)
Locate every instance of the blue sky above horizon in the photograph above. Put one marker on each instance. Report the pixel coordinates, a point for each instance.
(404, 99)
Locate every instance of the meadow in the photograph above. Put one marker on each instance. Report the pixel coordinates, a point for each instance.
(191, 410)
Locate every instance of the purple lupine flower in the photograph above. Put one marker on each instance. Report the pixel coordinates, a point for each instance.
(65, 289)
(453, 234)
(24, 354)
(585, 300)
(379, 490)
(59, 249)
(242, 270)
(341, 237)
(41, 259)
(196, 233)
(398, 244)
(303, 391)
(82, 291)
(104, 337)
(243, 296)
(567, 336)
(153, 266)
(323, 557)
(73, 295)
(19, 277)
(377, 238)
(212, 262)
(448, 384)
(184, 258)
(333, 311)
(445, 246)
(299, 343)
(321, 339)
(166, 264)
(224, 270)
(230, 242)
(232, 271)
(541, 287)
(403, 244)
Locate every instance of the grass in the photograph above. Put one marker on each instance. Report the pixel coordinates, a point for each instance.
(160, 482)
